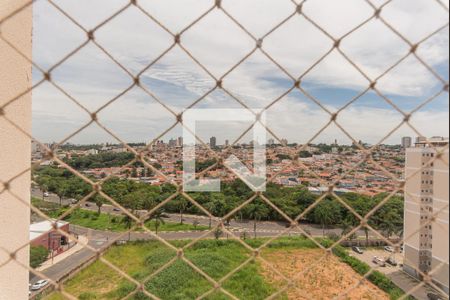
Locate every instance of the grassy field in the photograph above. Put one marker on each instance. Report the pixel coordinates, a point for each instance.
(93, 220)
(48, 208)
(325, 280)
(322, 276)
(217, 258)
(177, 282)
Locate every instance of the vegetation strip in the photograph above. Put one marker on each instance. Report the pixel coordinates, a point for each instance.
(133, 195)
(179, 281)
(376, 277)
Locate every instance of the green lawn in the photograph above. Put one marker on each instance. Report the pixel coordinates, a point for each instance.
(217, 258)
(96, 282)
(48, 208)
(177, 282)
(91, 219)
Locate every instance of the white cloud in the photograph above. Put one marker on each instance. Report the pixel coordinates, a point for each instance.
(218, 43)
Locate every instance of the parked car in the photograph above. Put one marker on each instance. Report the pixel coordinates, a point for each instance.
(116, 209)
(389, 249)
(433, 296)
(392, 261)
(378, 261)
(39, 285)
(358, 250)
(46, 194)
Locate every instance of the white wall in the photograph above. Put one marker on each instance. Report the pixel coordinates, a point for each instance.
(15, 77)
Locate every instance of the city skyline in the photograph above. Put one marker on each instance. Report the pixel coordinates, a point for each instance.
(178, 141)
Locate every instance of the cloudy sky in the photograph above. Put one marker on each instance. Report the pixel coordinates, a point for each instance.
(216, 42)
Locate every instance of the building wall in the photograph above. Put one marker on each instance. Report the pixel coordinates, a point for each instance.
(441, 229)
(406, 142)
(412, 207)
(427, 194)
(15, 149)
(50, 240)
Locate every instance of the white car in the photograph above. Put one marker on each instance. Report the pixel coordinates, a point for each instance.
(378, 261)
(39, 285)
(389, 249)
(46, 194)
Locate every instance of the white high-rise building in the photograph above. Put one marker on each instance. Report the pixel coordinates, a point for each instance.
(173, 143)
(426, 211)
(406, 142)
(180, 142)
(213, 142)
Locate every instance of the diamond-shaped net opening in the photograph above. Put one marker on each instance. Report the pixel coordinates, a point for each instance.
(333, 215)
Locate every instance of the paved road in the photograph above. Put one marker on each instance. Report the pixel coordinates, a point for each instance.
(66, 266)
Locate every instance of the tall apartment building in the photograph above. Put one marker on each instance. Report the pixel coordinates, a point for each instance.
(213, 142)
(406, 142)
(180, 142)
(36, 150)
(427, 194)
(173, 143)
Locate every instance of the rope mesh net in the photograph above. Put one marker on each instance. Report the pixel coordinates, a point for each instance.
(296, 84)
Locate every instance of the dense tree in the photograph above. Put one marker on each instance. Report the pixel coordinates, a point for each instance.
(182, 205)
(102, 160)
(99, 201)
(293, 201)
(324, 148)
(128, 221)
(305, 154)
(148, 200)
(219, 209)
(346, 227)
(38, 255)
(209, 206)
(158, 218)
(203, 165)
(61, 189)
(326, 213)
(389, 217)
(283, 156)
(256, 211)
(44, 189)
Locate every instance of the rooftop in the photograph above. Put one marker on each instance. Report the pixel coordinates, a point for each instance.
(38, 229)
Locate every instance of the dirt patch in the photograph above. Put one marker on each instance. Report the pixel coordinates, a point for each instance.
(322, 280)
